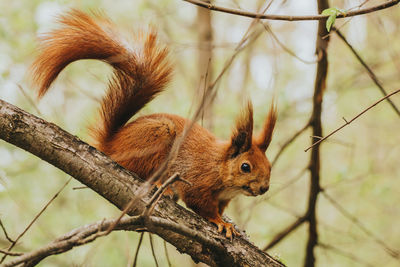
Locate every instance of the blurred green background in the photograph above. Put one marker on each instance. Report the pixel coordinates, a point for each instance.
(360, 164)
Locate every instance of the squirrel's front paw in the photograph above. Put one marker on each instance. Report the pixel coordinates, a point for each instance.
(230, 230)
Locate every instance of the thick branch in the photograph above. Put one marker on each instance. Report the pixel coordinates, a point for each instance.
(243, 13)
(118, 186)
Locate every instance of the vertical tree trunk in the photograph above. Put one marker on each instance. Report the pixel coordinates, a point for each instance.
(319, 89)
(204, 27)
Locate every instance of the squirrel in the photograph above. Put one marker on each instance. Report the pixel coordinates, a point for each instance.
(217, 170)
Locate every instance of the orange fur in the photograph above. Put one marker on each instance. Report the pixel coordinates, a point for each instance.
(218, 170)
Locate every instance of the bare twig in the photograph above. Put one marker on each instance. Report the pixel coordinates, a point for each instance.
(152, 250)
(289, 141)
(347, 122)
(34, 219)
(285, 232)
(150, 205)
(371, 74)
(30, 100)
(284, 47)
(344, 254)
(13, 254)
(238, 12)
(393, 253)
(79, 187)
(138, 248)
(5, 232)
(288, 184)
(358, 178)
(166, 254)
(156, 196)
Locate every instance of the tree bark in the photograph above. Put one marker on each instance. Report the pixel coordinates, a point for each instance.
(316, 125)
(118, 186)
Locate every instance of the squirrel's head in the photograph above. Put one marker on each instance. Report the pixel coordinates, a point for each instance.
(247, 166)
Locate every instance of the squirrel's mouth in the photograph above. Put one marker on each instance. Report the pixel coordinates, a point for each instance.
(247, 191)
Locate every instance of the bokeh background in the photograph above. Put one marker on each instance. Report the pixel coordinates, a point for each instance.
(360, 164)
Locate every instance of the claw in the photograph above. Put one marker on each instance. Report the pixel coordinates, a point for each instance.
(230, 230)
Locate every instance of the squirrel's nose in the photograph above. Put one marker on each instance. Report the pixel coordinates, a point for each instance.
(264, 189)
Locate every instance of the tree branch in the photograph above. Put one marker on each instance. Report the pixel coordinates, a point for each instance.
(243, 13)
(118, 186)
(5, 233)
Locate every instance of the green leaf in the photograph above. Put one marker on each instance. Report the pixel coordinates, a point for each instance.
(330, 21)
(332, 13)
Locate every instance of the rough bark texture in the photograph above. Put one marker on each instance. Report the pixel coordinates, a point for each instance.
(117, 185)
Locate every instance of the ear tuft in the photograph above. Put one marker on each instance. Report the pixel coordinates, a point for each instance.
(264, 138)
(242, 135)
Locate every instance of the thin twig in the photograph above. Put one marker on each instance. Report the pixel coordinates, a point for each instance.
(150, 205)
(284, 47)
(30, 100)
(243, 13)
(353, 119)
(289, 141)
(166, 253)
(79, 187)
(138, 248)
(205, 86)
(371, 74)
(156, 196)
(347, 21)
(344, 254)
(36, 217)
(393, 253)
(13, 254)
(152, 249)
(5, 232)
(288, 184)
(347, 181)
(285, 232)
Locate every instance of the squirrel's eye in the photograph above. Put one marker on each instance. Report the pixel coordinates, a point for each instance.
(245, 167)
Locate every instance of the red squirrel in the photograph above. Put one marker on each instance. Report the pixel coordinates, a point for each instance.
(217, 170)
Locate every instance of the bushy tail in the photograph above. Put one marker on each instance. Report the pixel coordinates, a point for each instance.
(139, 74)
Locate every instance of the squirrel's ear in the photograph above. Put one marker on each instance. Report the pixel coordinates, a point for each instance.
(242, 135)
(264, 138)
